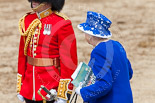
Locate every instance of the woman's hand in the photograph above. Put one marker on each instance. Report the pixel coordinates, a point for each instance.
(77, 90)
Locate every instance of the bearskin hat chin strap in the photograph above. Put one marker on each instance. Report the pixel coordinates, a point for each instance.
(39, 6)
(36, 8)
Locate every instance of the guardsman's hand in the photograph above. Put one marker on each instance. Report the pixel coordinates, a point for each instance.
(53, 94)
(20, 97)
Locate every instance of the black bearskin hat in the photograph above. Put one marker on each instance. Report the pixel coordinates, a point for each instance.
(57, 5)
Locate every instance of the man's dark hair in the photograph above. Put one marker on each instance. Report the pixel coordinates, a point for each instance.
(57, 5)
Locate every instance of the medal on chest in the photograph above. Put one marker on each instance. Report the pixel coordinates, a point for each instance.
(47, 29)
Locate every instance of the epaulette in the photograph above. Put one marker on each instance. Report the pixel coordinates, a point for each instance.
(62, 15)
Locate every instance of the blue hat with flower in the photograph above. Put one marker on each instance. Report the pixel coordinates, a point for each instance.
(96, 25)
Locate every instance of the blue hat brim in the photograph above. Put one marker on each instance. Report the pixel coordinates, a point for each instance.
(94, 32)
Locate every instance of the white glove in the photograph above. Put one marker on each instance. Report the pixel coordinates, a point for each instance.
(20, 97)
(53, 92)
(77, 90)
(60, 101)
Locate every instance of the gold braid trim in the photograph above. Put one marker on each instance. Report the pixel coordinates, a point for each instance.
(30, 30)
(23, 25)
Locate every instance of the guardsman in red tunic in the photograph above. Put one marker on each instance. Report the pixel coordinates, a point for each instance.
(47, 54)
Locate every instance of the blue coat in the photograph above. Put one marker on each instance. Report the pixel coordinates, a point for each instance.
(113, 73)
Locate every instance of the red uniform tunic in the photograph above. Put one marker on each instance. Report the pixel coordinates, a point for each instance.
(60, 43)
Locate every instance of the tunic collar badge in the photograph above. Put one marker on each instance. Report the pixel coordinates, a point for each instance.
(44, 13)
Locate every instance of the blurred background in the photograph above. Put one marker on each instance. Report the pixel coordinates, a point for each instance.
(133, 26)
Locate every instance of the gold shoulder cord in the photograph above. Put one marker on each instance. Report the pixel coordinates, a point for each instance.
(30, 30)
(61, 15)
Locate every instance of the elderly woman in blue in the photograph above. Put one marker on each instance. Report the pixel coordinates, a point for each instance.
(109, 63)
